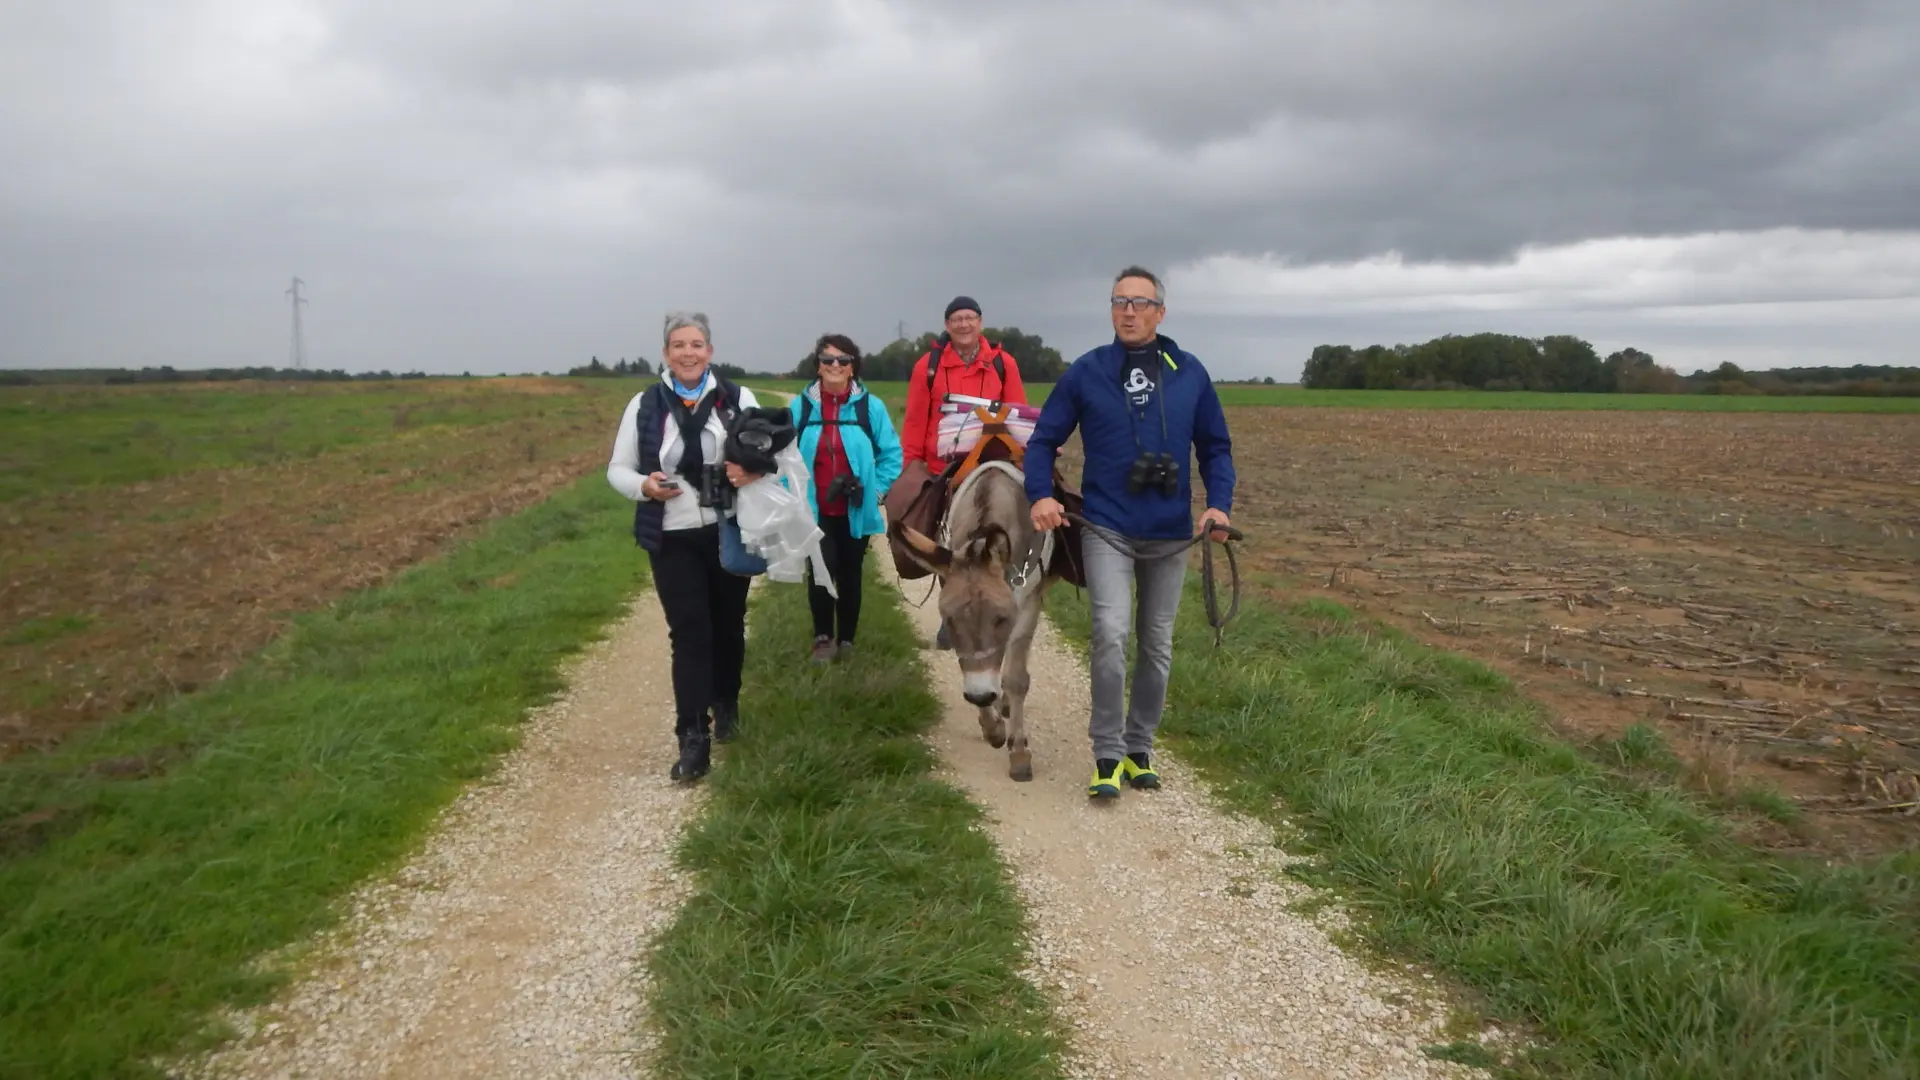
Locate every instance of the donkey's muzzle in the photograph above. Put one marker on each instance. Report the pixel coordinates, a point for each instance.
(982, 698)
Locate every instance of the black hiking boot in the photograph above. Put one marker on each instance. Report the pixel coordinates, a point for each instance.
(696, 750)
(726, 721)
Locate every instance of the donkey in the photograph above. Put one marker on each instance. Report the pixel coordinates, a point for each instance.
(993, 580)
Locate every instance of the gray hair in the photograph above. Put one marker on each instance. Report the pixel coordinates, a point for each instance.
(680, 320)
(1159, 290)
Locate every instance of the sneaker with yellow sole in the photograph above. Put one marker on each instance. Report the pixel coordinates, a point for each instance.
(1136, 771)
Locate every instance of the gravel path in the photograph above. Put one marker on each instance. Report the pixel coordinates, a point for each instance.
(1160, 922)
(511, 946)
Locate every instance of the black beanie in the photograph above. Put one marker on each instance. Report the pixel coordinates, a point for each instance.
(961, 303)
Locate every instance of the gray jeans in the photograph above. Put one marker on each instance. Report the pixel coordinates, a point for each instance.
(1159, 573)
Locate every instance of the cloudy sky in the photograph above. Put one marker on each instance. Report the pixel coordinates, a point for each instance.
(492, 186)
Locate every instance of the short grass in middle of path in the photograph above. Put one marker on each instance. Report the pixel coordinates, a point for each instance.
(852, 918)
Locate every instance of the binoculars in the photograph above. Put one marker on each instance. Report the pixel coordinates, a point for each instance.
(1154, 472)
(846, 486)
(716, 491)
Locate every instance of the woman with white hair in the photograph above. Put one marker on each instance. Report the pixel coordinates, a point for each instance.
(666, 457)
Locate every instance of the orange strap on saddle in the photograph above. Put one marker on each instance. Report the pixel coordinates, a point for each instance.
(993, 432)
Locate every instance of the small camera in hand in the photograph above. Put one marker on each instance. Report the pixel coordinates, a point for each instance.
(1154, 472)
(716, 491)
(846, 486)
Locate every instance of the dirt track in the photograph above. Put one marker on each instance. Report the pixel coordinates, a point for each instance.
(1160, 923)
(510, 946)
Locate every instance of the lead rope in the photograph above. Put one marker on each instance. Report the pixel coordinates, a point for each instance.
(1214, 618)
(1209, 588)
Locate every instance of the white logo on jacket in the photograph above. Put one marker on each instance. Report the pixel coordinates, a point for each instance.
(1139, 386)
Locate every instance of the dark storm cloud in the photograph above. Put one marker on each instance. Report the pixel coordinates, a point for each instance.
(491, 185)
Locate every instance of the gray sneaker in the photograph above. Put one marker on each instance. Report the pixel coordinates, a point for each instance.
(844, 651)
(822, 649)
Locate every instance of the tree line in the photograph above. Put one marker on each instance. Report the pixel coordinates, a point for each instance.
(594, 369)
(169, 374)
(1039, 362)
(1563, 363)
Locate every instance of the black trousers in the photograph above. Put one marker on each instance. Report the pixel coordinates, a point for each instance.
(706, 611)
(843, 553)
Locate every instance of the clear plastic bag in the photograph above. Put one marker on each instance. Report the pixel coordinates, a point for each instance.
(777, 523)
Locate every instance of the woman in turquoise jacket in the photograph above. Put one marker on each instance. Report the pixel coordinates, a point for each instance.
(848, 442)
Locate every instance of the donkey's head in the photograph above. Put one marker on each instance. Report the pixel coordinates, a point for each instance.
(975, 600)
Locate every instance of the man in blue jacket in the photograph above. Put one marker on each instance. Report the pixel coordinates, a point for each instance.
(1144, 408)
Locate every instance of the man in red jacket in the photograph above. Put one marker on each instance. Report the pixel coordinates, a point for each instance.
(967, 365)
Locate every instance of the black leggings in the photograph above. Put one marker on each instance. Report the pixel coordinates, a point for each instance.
(706, 610)
(843, 553)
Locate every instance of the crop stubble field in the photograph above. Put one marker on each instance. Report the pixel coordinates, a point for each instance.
(156, 536)
(1744, 582)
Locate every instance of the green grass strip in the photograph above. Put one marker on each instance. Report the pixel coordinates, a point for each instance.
(1598, 905)
(852, 919)
(316, 765)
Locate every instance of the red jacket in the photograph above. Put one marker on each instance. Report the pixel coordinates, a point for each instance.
(830, 457)
(920, 439)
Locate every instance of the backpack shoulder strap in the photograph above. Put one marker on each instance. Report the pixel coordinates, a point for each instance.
(866, 422)
(806, 412)
(934, 352)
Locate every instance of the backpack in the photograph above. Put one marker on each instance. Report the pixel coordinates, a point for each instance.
(860, 417)
(940, 345)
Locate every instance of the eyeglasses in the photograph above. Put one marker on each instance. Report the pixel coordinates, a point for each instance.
(835, 361)
(1134, 303)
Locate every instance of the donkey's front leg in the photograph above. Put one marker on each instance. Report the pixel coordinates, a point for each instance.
(1014, 681)
(993, 722)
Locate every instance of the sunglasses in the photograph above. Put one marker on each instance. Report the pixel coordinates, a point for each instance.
(834, 361)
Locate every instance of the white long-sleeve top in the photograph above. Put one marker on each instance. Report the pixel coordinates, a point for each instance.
(623, 470)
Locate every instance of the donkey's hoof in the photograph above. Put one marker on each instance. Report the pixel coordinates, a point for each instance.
(1021, 768)
(995, 731)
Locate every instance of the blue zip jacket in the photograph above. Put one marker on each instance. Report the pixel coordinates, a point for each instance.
(876, 463)
(1089, 397)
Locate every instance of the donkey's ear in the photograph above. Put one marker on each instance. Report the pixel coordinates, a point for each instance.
(994, 547)
(925, 551)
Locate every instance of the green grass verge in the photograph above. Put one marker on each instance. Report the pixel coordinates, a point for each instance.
(142, 903)
(1527, 399)
(1596, 904)
(852, 918)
